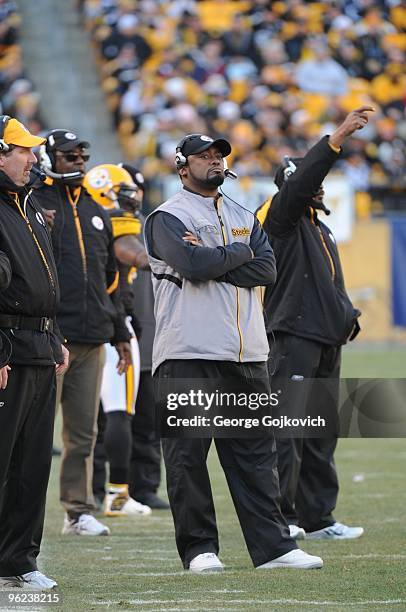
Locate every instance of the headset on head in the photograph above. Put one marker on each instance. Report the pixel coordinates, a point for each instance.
(4, 147)
(180, 159)
(47, 161)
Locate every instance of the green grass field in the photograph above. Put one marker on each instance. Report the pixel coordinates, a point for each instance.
(137, 567)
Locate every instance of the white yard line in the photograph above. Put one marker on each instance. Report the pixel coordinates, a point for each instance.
(251, 601)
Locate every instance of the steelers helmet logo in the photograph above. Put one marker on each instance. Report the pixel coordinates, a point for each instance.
(98, 178)
(70, 136)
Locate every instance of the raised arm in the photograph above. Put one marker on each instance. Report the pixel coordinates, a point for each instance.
(302, 186)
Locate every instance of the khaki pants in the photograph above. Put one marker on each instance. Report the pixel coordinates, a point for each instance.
(78, 392)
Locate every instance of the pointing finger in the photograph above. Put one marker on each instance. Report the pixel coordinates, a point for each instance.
(363, 109)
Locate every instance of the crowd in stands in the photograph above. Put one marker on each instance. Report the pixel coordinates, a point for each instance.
(18, 96)
(271, 76)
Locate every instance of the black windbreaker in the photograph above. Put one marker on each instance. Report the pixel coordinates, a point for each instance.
(309, 298)
(90, 310)
(33, 289)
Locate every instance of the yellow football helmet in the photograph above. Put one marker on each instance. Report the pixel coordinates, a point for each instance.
(108, 184)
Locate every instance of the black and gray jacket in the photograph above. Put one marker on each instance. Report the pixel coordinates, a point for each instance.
(206, 306)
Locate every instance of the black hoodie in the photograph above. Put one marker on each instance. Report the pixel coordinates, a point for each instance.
(309, 298)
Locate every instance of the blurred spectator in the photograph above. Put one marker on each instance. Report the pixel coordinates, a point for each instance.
(322, 74)
(126, 33)
(356, 170)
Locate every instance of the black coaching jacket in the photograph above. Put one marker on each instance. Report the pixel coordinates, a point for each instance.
(29, 281)
(309, 298)
(90, 311)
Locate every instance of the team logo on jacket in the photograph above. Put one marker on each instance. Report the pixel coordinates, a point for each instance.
(240, 231)
(203, 225)
(40, 218)
(97, 222)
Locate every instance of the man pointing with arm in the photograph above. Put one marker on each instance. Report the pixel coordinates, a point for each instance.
(309, 318)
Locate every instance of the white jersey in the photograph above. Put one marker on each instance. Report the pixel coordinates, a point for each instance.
(120, 392)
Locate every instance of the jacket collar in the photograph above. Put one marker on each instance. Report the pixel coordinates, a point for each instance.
(207, 201)
(6, 184)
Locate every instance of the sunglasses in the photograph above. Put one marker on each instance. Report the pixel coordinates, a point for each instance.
(72, 157)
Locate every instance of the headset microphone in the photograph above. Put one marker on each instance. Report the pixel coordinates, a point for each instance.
(321, 206)
(68, 176)
(38, 173)
(227, 172)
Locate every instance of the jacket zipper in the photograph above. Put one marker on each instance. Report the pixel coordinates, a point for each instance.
(74, 202)
(225, 242)
(37, 244)
(325, 247)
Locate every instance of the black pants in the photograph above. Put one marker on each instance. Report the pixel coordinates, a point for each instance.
(307, 473)
(26, 428)
(145, 467)
(250, 466)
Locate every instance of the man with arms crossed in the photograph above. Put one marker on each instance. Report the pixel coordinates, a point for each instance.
(207, 256)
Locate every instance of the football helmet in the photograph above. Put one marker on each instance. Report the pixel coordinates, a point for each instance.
(111, 186)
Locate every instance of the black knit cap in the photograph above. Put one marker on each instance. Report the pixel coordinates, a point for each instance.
(135, 174)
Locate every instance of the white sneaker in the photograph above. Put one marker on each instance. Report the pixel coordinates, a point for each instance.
(86, 524)
(338, 531)
(30, 580)
(119, 503)
(206, 562)
(296, 559)
(297, 533)
(38, 580)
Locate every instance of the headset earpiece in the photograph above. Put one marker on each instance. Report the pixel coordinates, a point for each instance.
(45, 158)
(180, 160)
(4, 119)
(289, 167)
